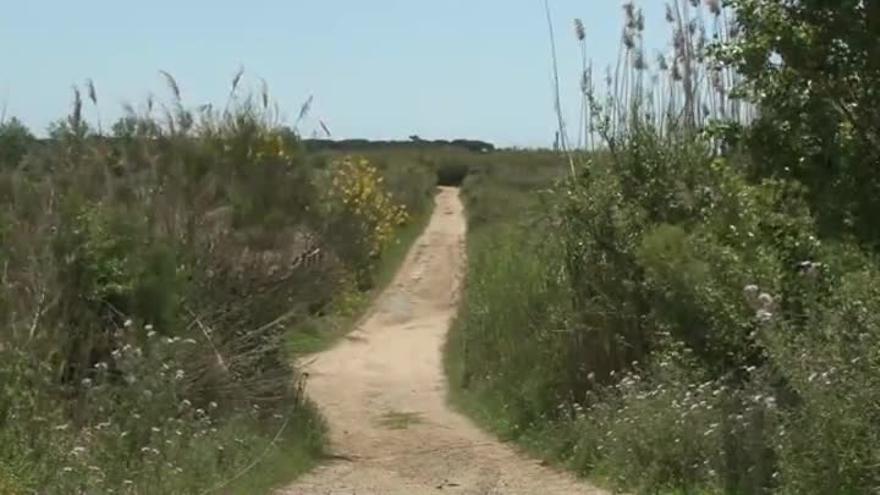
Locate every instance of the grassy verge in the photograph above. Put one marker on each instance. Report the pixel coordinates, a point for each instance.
(502, 204)
(298, 449)
(502, 274)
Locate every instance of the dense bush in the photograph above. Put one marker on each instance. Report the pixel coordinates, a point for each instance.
(151, 281)
(704, 316)
(15, 139)
(811, 66)
(451, 174)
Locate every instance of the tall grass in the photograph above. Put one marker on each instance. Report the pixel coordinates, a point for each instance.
(676, 324)
(685, 90)
(151, 278)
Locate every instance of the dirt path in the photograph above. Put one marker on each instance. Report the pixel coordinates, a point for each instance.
(383, 392)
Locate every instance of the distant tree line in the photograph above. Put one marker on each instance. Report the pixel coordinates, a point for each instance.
(16, 139)
(414, 143)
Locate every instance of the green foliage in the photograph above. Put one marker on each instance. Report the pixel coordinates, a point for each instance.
(698, 314)
(654, 433)
(829, 443)
(151, 284)
(141, 421)
(451, 173)
(509, 354)
(811, 68)
(15, 140)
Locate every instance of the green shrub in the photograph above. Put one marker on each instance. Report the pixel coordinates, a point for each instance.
(715, 280)
(15, 141)
(506, 336)
(451, 173)
(817, 125)
(150, 284)
(828, 442)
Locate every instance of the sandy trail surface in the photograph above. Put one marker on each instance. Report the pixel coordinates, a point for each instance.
(383, 392)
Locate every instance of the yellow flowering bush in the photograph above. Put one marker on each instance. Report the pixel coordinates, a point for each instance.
(357, 190)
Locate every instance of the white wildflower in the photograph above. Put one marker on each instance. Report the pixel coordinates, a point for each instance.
(751, 295)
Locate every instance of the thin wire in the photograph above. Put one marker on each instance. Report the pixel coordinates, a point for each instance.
(561, 123)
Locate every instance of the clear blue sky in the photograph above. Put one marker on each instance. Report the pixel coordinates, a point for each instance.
(377, 68)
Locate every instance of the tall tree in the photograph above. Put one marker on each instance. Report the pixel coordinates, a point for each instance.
(813, 68)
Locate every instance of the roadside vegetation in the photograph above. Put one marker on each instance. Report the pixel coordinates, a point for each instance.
(157, 278)
(693, 307)
(683, 298)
